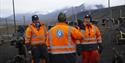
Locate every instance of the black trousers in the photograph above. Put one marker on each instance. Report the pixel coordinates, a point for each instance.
(39, 52)
(62, 58)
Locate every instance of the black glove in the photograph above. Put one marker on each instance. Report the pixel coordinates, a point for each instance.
(79, 49)
(100, 49)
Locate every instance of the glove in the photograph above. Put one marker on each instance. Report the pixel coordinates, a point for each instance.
(79, 49)
(100, 48)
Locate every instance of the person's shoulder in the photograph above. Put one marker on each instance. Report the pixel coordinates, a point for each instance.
(96, 27)
(29, 26)
(93, 25)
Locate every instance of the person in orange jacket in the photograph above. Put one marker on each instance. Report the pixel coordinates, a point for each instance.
(91, 43)
(35, 38)
(60, 41)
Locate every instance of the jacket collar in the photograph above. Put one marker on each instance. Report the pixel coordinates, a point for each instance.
(88, 25)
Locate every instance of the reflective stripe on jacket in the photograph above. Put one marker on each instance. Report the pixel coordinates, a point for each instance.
(92, 37)
(35, 36)
(60, 39)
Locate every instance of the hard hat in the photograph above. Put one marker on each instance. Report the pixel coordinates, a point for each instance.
(87, 16)
(35, 17)
(61, 17)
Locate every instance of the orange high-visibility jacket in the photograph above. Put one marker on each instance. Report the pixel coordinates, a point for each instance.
(60, 39)
(91, 35)
(34, 36)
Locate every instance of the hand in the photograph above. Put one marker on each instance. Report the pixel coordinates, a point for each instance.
(79, 49)
(100, 49)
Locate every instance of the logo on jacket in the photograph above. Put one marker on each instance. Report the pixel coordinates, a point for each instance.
(59, 33)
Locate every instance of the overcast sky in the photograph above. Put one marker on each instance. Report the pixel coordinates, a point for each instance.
(45, 6)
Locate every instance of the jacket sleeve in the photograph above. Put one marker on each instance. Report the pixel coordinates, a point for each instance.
(28, 34)
(98, 35)
(76, 34)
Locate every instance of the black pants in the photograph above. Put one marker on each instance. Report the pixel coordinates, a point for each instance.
(62, 58)
(39, 52)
